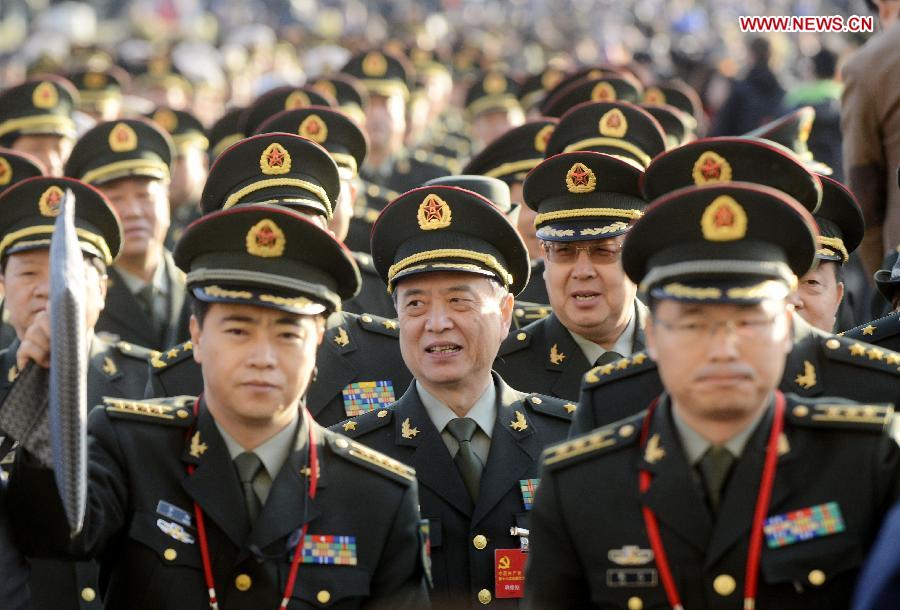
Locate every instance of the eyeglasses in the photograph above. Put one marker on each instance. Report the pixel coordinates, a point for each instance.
(567, 252)
(702, 330)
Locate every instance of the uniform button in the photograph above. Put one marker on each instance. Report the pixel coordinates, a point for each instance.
(88, 594)
(520, 313)
(635, 603)
(536, 400)
(323, 596)
(479, 542)
(724, 585)
(242, 582)
(182, 414)
(382, 413)
(521, 336)
(800, 411)
(484, 596)
(341, 443)
(817, 578)
(626, 430)
(832, 344)
(170, 554)
(367, 320)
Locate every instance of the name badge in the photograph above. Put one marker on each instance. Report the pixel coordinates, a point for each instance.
(509, 573)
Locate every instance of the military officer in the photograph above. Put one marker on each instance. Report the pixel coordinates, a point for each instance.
(885, 331)
(36, 118)
(348, 93)
(238, 498)
(100, 91)
(674, 123)
(510, 157)
(585, 204)
(224, 132)
(819, 364)
(115, 368)
(602, 88)
(723, 492)
(453, 263)
(130, 162)
(492, 108)
(289, 170)
(278, 100)
(681, 96)
(347, 145)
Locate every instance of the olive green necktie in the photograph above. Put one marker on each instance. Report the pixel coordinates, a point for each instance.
(248, 467)
(470, 467)
(715, 465)
(607, 357)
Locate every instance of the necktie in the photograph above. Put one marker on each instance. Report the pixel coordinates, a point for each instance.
(470, 467)
(248, 467)
(607, 357)
(715, 465)
(146, 298)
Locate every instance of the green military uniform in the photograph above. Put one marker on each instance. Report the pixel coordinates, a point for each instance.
(675, 533)
(157, 468)
(572, 205)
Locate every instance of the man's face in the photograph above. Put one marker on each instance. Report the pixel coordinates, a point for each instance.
(343, 207)
(451, 327)
(488, 126)
(386, 122)
(26, 281)
(189, 172)
(143, 207)
(590, 297)
(525, 222)
(714, 372)
(52, 151)
(818, 296)
(257, 362)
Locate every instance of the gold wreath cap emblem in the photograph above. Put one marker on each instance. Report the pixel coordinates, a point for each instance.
(166, 119)
(297, 99)
(374, 64)
(603, 92)
(50, 201)
(724, 220)
(326, 87)
(613, 124)
(581, 179)
(494, 83)
(711, 168)
(95, 80)
(45, 96)
(655, 96)
(6, 172)
(275, 160)
(542, 137)
(314, 128)
(265, 239)
(122, 138)
(433, 213)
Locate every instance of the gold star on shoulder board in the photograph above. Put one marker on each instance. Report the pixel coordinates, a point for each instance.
(622, 364)
(893, 358)
(407, 431)
(556, 356)
(869, 330)
(638, 358)
(857, 349)
(875, 354)
(349, 425)
(654, 453)
(569, 407)
(519, 424)
(172, 352)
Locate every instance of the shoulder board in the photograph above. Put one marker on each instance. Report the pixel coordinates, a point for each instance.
(515, 342)
(131, 350)
(364, 262)
(176, 410)
(602, 440)
(166, 358)
(369, 458)
(859, 353)
(526, 312)
(624, 367)
(838, 413)
(876, 330)
(362, 424)
(377, 324)
(550, 405)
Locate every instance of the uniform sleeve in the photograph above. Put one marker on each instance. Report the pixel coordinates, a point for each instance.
(37, 513)
(554, 578)
(399, 580)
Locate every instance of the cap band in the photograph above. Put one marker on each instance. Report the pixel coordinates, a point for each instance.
(766, 289)
(93, 239)
(632, 214)
(513, 167)
(485, 259)
(225, 142)
(613, 142)
(61, 123)
(776, 269)
(315, 189)
(128, 167)
(832, 245)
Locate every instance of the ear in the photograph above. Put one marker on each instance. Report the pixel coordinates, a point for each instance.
(650, 337)
(789, 336)
(840, 295)
(196, 333)
(507, 304)
(104, 286)
(320, 329)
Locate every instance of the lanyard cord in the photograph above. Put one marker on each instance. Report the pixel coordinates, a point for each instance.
(762, 506)
(298, 550)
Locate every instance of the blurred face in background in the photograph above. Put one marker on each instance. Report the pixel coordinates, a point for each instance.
(51, 150)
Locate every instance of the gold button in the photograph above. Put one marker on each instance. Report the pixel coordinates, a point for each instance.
(724, 585)
(536, 400)
(521, 336)
(170, 554)
(323, 596)
(626, 431)
(484, 596)
(181, 413)
(88, 594)
(800, 411)
(635, 603)
(242, 582)
(520, 313)
(479, 542)
(817, 578)
(367, 320)
(382, 413)
(832, 344)
(342, 443)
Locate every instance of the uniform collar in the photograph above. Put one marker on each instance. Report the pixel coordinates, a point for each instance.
(273, 453)
(623, 345)
(484, 411)
(695, 445)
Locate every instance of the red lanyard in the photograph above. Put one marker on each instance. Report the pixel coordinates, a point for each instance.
(762, 506)
(298, 550)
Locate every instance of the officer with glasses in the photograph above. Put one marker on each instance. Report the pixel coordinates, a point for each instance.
(585, 204)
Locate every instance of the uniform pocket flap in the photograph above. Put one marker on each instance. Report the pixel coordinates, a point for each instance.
(326, 585)
(174, 543)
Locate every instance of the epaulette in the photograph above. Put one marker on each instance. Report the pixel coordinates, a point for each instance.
(624, 367)
(177, 353)
(602, 440)
(377, 324)
(514, 342)
(550, 405)
(364, 262)
(838, 413)
(174, 410)
(876, 330)
(362, 424)
(371, 459)
(526, 312)
(131, 350)
(861, 354)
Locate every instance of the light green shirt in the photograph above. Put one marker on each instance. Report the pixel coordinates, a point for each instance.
(623, 344)
(695, 445)
(273, 453)
(484, 412)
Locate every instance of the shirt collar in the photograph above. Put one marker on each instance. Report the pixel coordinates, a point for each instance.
(484, 411)
(695, 445)
(273, 453)
(136, 284)
(623, 345)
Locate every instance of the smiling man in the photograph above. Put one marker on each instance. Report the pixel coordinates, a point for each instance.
(723, 492)
(453, 263)
(239, 498)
